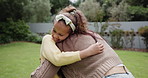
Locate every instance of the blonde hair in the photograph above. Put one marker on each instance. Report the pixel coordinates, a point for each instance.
(77, 17)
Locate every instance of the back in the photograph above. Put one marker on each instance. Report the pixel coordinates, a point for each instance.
(92, 67)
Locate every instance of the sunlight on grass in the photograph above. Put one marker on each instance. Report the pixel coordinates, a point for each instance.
(18, 60)
(136, 62)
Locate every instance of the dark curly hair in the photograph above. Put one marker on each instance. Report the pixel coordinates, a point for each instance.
(79, 20)
(77, 17)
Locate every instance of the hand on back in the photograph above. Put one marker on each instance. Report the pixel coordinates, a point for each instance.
(96, 48)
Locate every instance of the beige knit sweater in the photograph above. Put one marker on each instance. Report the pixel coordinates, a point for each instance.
(92, 67)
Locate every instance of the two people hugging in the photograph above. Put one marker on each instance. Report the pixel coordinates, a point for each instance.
(79, 52)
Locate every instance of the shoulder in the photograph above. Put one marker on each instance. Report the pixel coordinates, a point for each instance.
(82, 41)
(47, 37)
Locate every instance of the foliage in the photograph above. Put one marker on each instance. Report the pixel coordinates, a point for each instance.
(5, 38)
(143, 31)
(33, 37)
(116, 38)
(92, 10)
(16, 31)
(118, 12)
(103, 28)
(13, 31)
(11, 9)
(37, 11)
(124, 10)
(138, 3)
(116, 35)
(129, 38)
(138, 13)
(28, 10)
(104, 10)
(58, 5)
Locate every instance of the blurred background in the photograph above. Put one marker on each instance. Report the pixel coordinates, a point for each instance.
(123, 23)
(23, 23)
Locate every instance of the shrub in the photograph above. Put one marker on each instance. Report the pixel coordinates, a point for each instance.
(16, 31)
(103, 28)
(5, 38)
(13, 31)
(19, 30)
(116, 38)
(33, 37)
(138, 13)
(129, 38)
(143, 31)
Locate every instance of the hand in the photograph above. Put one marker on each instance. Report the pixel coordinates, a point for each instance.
(92, 50)
(96, 48)
(100, 47)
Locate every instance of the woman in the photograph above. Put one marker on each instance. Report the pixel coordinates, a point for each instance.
(104, 65)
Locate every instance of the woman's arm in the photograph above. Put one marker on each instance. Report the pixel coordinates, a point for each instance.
(52, 53)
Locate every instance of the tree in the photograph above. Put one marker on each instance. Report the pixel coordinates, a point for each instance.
(138, 13)
(11, 9)
(119, 11)
(143, 3)
(92, 10)
(138, 9)
(58, 5)
(37, 11)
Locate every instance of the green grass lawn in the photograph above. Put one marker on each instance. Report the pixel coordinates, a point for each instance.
(136, 62)
(18, 60)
